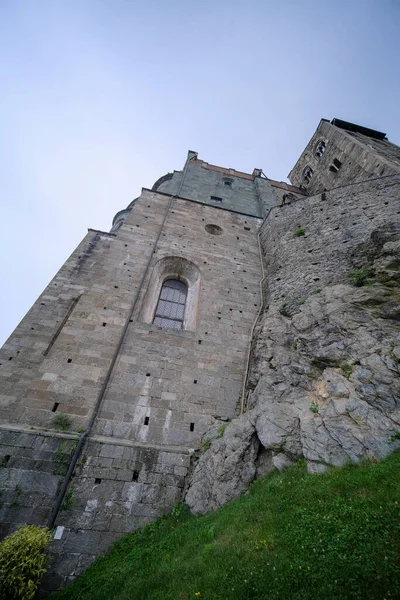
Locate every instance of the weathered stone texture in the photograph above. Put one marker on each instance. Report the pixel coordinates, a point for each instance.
(226, 469)
(118, 487)
(324, 381)
(167, 388)
(361, 157)
(248, 194)
(320, 344)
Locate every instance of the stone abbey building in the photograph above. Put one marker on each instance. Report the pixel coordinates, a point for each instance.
(143, 341)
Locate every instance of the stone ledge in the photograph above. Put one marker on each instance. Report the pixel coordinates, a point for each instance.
(96, 438)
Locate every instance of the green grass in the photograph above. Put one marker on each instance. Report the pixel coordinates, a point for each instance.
(293, 536)
(360, 277)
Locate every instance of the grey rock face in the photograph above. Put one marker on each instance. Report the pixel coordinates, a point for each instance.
(226, 469)
(324, 382)
(334, 393)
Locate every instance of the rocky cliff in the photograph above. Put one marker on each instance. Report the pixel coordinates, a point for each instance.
(324, 378)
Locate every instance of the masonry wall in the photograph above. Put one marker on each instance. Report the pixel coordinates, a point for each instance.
(362, 158)
(247, 194)
(335, 229)
(182, 381)
(181, 377)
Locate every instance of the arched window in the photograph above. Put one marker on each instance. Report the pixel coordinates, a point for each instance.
(171, 304)
(319, 148)
(307, 174)
(228, 182)
(172, 274)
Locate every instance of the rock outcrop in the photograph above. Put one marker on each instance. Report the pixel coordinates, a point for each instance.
(226, 468)
(324, 381)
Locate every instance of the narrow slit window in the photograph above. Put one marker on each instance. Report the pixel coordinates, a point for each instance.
(170, 309)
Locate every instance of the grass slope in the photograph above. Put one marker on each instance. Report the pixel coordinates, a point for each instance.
(334, 535)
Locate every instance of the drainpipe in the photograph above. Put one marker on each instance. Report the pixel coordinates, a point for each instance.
(246, 376)
(100, 397)
(242, 400)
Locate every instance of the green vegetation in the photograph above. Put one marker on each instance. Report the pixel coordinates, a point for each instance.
(205, 445)
(221, 430)
(359, 277)
(346, 369)
(293, 345)
(68, 499)
(62, 458)
(62, 422)
(23, 562)
(314, 406)
(300, 231)
(293, 536)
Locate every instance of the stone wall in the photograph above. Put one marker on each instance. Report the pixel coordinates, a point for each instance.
(360, 157)
(324, 382)
(117, 487)
(167, 388)
(241, 192)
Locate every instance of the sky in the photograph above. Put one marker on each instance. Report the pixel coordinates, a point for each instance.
(99, 98)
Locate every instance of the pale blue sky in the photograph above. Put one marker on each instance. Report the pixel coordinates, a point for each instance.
(100, 98)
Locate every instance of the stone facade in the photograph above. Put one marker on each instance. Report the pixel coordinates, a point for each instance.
(253, 195)
(340, 153)
(90, 385)
(88, 355)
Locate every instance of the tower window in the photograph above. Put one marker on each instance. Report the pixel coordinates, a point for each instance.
(216, 199)
(307, 174)
(320, 148)
(228, 182)
(171, 304)
(336, 165)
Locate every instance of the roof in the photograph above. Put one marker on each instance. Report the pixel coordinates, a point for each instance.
(378, 135)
